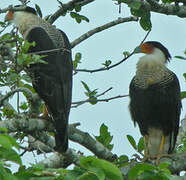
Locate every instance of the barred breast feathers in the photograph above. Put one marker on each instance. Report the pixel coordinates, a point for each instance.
(151, 69)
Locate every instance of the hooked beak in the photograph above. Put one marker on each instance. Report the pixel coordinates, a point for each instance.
(137, 50)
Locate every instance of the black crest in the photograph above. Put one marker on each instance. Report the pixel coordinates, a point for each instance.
(28, 9)
(161, 47)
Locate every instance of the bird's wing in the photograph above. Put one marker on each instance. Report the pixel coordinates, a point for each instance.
(66, 71)
(54, 82)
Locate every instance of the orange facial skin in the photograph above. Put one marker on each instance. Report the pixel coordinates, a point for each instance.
(9, 16)
(146, 48)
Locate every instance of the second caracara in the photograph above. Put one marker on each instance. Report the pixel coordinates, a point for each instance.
(155, 101)
(52, 81)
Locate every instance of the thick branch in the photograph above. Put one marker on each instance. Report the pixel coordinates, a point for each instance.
(101, 28)
(87, 141)
(177, 164)
(168, 9)
(34, 127)
(57, 160)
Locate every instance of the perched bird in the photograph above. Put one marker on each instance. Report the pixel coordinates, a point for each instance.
(52, 80)
(155, 101)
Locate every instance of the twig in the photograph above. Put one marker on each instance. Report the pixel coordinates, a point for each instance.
(20, 8)
(70, 5)
(101, 28)
(78, 103)
(48, 51)
(145, 36)
(104, 68)
(114, 65)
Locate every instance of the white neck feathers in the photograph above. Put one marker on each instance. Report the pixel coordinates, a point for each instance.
(150, 61)
(23, 20)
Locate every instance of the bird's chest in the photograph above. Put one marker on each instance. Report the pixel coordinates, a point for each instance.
(146, 77)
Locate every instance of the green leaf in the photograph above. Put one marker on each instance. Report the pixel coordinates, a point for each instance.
(180, 57)
(184, 75)
(132, 141)
(77, 8)
(78, 17)
(135, 5)
(126, 54)
(23, 106)
(28, 86)
(93, 100)
(183, 94)
(26, 78)
(76, 61)
(105, 138)
(78, 57)
(107, 63)
(145, 21)
(85, 86)
(87, 176)
(138, 169)
(123, 158)
(7, 141)
(141, 145)
(10, 155)
(122, 161)
(101, 168)
(19, 61)
(38, 9)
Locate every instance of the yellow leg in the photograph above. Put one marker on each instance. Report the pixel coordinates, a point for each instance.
(160, 149)
(44, 113)
(146, 153)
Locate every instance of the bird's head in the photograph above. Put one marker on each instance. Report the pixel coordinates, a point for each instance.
(153, 47)
(11, 15)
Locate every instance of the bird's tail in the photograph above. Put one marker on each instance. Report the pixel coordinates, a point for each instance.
(61, 133)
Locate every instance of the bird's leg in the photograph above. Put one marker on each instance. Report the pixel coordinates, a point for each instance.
(44, 113)
(146, 153)
(160, 150)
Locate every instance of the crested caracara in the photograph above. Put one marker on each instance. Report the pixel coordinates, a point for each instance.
(155, 101)
(53, 80)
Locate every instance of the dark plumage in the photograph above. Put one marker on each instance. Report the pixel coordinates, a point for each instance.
(52, 81)
(155, 101)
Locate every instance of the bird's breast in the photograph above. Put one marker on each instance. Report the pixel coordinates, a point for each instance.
(146, 76)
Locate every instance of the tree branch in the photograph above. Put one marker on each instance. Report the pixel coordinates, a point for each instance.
(101, 28)
(12, 8)
(177, 164)
(57, 160)
(91, 144)
(78, 103)
(155, 6)
(68, 6)
(35, 128)
(114, 65)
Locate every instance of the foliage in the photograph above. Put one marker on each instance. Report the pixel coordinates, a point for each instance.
(16, 60)
(105, 138)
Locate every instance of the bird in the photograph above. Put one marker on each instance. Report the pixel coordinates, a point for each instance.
(52, 80)
(155, 100)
